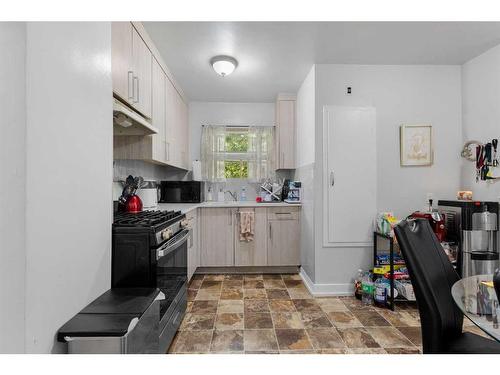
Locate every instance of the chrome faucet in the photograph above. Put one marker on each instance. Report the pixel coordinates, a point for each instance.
(233, 195)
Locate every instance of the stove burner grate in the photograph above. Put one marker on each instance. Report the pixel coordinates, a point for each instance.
(144, 218)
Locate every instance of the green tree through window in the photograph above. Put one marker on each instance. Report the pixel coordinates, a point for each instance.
(236, 142)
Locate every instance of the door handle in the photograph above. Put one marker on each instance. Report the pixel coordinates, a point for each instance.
(130, 86)
(332, 179)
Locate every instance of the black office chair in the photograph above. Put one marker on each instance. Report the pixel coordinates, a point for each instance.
(432, 276)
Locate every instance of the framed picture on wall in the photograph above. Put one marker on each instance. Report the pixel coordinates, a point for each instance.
(415, 145)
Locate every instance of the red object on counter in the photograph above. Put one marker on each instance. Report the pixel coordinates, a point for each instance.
(436, 220)
(258, 199)
(134, 204)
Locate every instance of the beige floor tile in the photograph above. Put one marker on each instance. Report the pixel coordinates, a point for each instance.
(293, 339)
(191, 294)
(207, 295)
(306, 305)
(253, 284)
(197, 322)
(280, 294)
(230, 306)
(262, 340)
(343, 319)
(370, 318)
(315, 320)
(274, 284)
(293, 284)
(256, 305)
(332, 351)
(192, 342)
(413, 334)
(403, 350)
(232, 284)
(195, 283)
(358, 338)
(227, 321)
(231, 294)
(399, 318)
(287, 320)
(253, 277)
(227, 341)
(299, 293)
(291, 276)
(366, 351)
(389, 337)
(204, 307)
(281, 306)
(325, 338)
(258, 320)
(254, 294)
(211, 285)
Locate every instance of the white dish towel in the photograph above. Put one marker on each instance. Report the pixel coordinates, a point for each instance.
(247, 225)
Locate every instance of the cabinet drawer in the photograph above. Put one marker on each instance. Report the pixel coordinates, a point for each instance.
(283, 213)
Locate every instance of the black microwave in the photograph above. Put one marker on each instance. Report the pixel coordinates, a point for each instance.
(182, 192)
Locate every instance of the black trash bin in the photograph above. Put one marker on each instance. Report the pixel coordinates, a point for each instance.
(122, 320)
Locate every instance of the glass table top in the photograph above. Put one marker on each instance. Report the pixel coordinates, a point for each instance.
(477, 299)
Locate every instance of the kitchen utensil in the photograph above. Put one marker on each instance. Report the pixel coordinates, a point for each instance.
(479, 161)
(148, 192)
(494, 143)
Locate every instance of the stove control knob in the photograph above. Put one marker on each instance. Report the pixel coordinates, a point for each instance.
(166, 234)
(184, 223)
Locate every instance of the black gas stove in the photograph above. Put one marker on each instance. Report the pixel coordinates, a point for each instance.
(150, 250)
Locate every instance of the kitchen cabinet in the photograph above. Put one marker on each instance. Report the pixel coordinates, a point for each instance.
(253, 253)
(177, 128)
(285, 132)
(167, 108)
(349, 206)
(193, 243)
(131, 62)
(283, 240)
(217, 238)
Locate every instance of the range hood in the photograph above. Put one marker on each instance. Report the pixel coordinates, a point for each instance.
(128, 122)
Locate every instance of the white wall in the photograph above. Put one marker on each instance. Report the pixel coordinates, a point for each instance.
(306, 100)
(69, 173)
(13, 172)
(216, 113)
(401, 95)
(481, 115)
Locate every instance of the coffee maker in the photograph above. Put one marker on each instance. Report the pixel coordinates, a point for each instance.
(473, 226)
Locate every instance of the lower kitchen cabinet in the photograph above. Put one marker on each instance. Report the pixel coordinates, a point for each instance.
(193, 256)
(252, 253)
(217, 239)
(276, 239)
(283, 242)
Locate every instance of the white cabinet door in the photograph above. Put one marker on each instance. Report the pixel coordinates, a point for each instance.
(253, 253)
(177, 128)
(142, 63)
(159, 152)
(283, 242)
(285, 134)
(349, 175)
(121, 60)
(217, 246)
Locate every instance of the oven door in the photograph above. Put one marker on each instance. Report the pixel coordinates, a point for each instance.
(171, 273)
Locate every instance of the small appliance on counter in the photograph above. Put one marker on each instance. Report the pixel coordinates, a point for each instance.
(182, 191)
(473, 225)
(294, 192)
(435, 218)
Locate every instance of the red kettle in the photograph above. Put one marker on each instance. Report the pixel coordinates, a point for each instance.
(133, 204)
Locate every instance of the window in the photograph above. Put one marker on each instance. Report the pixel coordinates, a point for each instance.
(237, 152)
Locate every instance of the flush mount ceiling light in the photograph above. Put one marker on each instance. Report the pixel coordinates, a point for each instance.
(223, 65)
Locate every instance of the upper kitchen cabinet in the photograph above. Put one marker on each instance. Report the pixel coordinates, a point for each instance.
(155, 95)
(285, 132)
(131, 62)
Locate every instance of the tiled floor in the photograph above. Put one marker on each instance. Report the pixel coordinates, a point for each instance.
(276, 314)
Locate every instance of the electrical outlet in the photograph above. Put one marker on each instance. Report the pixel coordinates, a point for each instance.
(348, 90)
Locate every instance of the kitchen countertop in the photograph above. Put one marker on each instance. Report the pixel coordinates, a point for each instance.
(186, 207)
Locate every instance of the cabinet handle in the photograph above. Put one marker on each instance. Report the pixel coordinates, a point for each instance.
(332, 179)
(270, 231)
(130, 81)
(135, 88)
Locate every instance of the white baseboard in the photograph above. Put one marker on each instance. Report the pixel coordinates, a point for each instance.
(325, 290)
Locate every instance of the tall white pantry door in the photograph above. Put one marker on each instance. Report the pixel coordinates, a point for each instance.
(349, 176)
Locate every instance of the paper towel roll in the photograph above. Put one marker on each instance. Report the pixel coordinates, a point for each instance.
(196, 170)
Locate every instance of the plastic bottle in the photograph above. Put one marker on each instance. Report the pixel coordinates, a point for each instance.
(209, 195)
(380, 293)
(357, 284)
(367, 285)
(243, 195)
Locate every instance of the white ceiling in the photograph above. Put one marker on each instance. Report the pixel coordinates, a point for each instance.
(275, 56)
